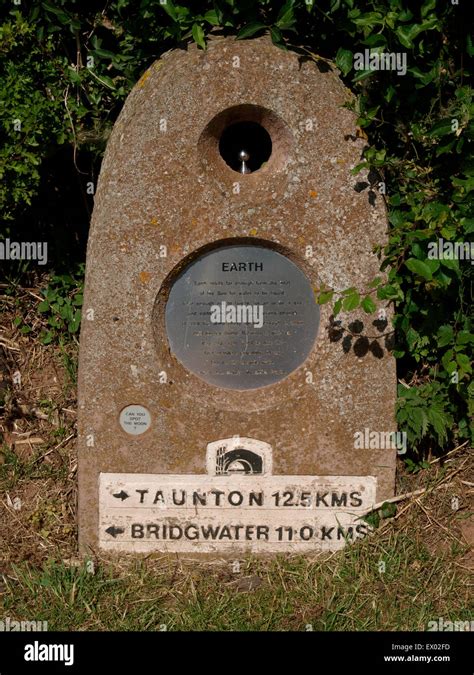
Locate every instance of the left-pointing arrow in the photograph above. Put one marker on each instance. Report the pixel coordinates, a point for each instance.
(121, 495)
(114, 531)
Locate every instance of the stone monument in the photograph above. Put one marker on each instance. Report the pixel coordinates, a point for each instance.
(218, 402)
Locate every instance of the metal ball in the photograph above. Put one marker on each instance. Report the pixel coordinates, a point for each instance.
(243, 155)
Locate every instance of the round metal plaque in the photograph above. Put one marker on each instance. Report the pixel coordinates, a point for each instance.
(242, 317)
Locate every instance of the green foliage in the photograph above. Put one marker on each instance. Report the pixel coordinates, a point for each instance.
(387, 510)
(415, 466)
(60, 311)
(32, 111)
(61, 307)
(424, 412)
(66, 70)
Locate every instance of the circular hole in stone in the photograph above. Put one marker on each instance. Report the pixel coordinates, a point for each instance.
(245, 146)
(257, 131)
(241, 316)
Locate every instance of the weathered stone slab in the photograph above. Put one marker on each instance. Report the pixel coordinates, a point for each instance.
(163, 392)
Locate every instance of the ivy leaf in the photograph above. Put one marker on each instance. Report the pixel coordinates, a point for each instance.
(250, 29)
(75, 322)
(468, 225)
(441, 128)
(286, 18)
(389, 292)
(104, 53)
(369, 19)
(344, 60)
(107, 81)
(63, 16)
(325, 296)
(445, 335)
(427, 7)
(277, 37)
(170, 9)
(375, 282)
(406, 34)
(375, 40)
(198, 35)
(211, 17)
(464, 337)
(368, 305)
(464, 362)
(433, 264)
(351, 302)
(419, 267)
(451, 264)
(362, 75)
(448, 364)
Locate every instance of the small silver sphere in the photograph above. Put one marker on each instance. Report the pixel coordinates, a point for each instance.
(243, 155)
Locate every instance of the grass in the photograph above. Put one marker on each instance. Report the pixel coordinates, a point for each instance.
(346, 591)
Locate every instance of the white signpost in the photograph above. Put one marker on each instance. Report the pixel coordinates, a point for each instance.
(209, 514)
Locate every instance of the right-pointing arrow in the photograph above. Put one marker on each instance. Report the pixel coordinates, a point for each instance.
(114, 531)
